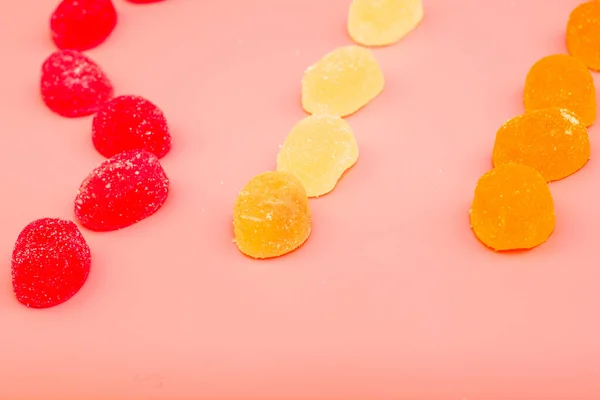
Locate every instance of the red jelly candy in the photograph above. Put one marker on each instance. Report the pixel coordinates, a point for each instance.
(82, 24)
(129, 123)
(121, 191)
(50, 263)
(73, 85)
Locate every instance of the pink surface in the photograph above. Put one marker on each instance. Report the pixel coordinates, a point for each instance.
(391, 298)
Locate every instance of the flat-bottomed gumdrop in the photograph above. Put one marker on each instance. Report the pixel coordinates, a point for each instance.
(383, 22)
(317, 151)
(72, 85)
(583, 34)
(129, 123)
(342, 82)
(552, 141)
(82, 24)
(50, 263)
(561, 81)
(512, 208)
(271, 216)
(123, 190)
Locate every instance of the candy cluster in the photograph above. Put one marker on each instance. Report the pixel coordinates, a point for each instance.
(51, 259)
(513, 207)
(271, 216)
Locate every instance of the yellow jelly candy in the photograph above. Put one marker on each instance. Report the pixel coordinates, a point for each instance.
(583, 34)
(271, 216)
(512, 208)
(342, 82)
(561, 81)
(383, 22)
(552, 141)
(318, 150)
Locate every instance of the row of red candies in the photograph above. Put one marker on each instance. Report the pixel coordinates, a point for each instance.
(51, 259)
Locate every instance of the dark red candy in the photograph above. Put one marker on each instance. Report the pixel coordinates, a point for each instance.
(82, 24)
(121, 191)
(73, 85)
(129, 123)
(50, 263)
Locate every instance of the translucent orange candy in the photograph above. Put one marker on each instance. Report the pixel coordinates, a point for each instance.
(342, 82)
(318, 150)
(383, 22)
(561, 81)
(552, 141)
(271, 216)
(512, 208)
(583, 34)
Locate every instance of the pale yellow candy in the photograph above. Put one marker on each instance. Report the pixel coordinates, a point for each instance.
(318, 150)
(383, 22)
(342, 82)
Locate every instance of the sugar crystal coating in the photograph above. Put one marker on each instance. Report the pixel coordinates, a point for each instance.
(552, 141)
(583, 34)
(342, 82)
(82, 24)
(561, 81)
(318, 150)
(512, 208)
(72, 85)
(123, 190)
(382, 22)
(50, 263)
(129, 123)
(271, 216)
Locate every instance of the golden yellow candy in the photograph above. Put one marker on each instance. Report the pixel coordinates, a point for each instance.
(342, 82)
(318, 150)
(383, 22)
(271, 216)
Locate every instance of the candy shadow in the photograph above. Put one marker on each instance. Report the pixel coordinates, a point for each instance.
(508, 253)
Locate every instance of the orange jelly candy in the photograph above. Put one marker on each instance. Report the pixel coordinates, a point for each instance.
(271, 216)
(552, 141)
(512, 208)
(561, 81)
(583, 34)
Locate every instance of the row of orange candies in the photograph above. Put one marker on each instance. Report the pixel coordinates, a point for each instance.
(513, 206)
(271, 215)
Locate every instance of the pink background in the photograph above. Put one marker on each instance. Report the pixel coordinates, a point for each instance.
(391, 298)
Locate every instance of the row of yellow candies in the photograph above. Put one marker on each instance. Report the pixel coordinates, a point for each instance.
(512, 206)
(271, 216)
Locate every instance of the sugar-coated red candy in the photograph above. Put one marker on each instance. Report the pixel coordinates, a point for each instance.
(82, 24)
(121, 191)
(73, 85)
(50, 263)
(129, 123)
